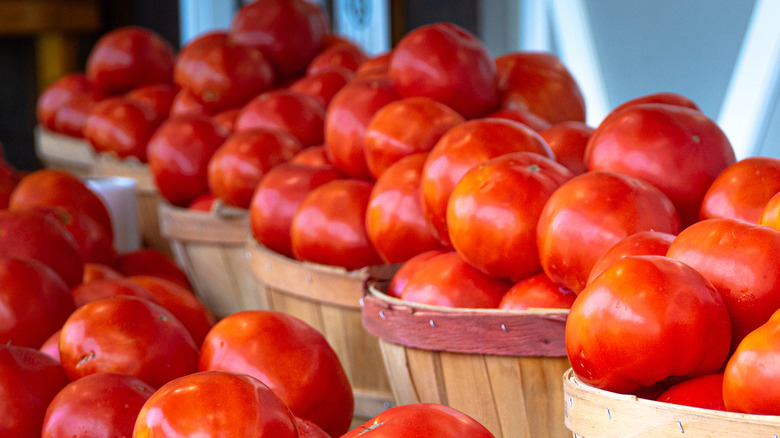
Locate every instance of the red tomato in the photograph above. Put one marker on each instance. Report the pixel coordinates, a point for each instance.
(348, 56)
(204, 202)
(149, 261)
(29, 380)
(99, 271)
(109, 287)
(395, 222)
(540, 83)
(740, 259)
(664, 97)
(51, 346)
(493, 211)
(128, 57)
(308, 429)
(408, 269)
(446, 63)
(278, 197)
(127, 335)
(9, 178)
(239, 164)
(463, 147)
(157, 99)
(420, 420)
(226, 120)
(771, 214)
(537, 291)
(568, 141)
(313, 156)
(379, 65)
(71, 118)
(186, 104)
(58, 94)
(103, 404)
(120, 126)
(34, 302)
(640, 243)
(215, 404)
(347, 118)
(324, 84)
(590, 213)
(742, 190)
(291, 32)
(179, 154)
(286, 110)
(289, 356)
(405, 127)
(525, 117)
(447, 280)
(644, 304)
(677, 149)
(700, 392)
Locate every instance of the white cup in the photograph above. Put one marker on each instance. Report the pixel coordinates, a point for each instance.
(118, 195)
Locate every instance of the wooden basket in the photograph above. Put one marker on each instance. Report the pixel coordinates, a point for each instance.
(503, 368)
(211, 247)
(58, 151)
(595, 413)
(328, 298)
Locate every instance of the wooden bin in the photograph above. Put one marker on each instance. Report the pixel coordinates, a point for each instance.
(211, 248)
(328, 298)
(58, 151)
(503, 368)
(595, 413)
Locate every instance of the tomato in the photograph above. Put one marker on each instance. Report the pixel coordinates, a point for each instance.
(239, 164)
(186, 104)
(128, 57)
(291, 32)
(537, 291)
(771, 214)
(179, 154)
(308, 429)
(751, 374)
(740, 259)
(289, 356)
(447, 280)
(420, 420)
(286, 110)
(463, 147)
(103, 404)
(126, 335)
(204, 202)
(677, 149)
(225, 121)
(742, 190)
(347, 119)
(71, 118)
(324, 84)
(220, 73)
(664, 97)
(405, 127)
(700, 392)
(525, 117)
(149, 261)
(99, 271)
(647, 242)
(278, 197)
(344, 55)
(51, 346)
(590, 213)
(446, 63)
(540, 83)
(29, 380)
(58, 94)
(109, 287)
(215, 403)
(9, 178)
(34, 302)
(157, 100)
(313, 156)
(120, 126)
(494, 209)
(568, 141)
(644, 304)
(408, 269)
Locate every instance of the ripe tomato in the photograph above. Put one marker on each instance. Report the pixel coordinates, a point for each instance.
(568, 141)
(278, 197)
(644, 304)
(308, 429)
(590, 213)
(647, 242)
(29, 380)
(285, 110)
(537, 291)
(9, 178)
(127, 335)
(149, 261)
(668, 98)
(344, 55)
(99, 271)
(408, 269)
(109, 287)
(677, 149)
(225, 120)
(420, 420)
(447, 280)
(289, 356)
(156, 99)
(120, 126)
(525, 117)
(463, 147)
(446, 63)
(186, 104)
(128, 57)
(204, 202)
(324, 84)
(103, 404)
(312, 156)
(494, 209)
(405, 127)
(51, 346)
(771, 213)
(244, 158)
(179, 153)
(742, 190)
(701, 392)
(58, 94)
(215, 404)
(540, 83)
(71, 118)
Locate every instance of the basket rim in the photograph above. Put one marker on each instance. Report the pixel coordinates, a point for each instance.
(224, 224)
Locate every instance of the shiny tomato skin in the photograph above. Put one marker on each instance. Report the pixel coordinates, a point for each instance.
(403, 128)
(537, 291)
(420, 420)
(446, 63)
(150, 261)
(646, 242)
(58, 94)
(742, 190)
(127, 335)
(646, 304)
(120, 126)
(285, 110)
(704, 392)
(156, 99)
(127, 57)
(494, 209)
(329, 226)
(225, 120)
(244, 158)
(771, 214)
(568, 141)
(71, 117)
(186, 104)
(395, 223)
(216, 404)
(109, 287)
(525, 117)
(343, 55)
(51, 346)
(29, 380)
(289, 356)
(408, 269)
(313, 156)
(309, 429)
(324, 84)
(103, 404)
